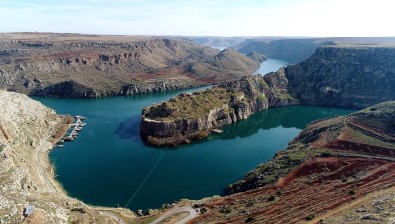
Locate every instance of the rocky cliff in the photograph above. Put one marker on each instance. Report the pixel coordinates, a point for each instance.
(191, 116)
(28, 130)
(343, 75)
(72, 65)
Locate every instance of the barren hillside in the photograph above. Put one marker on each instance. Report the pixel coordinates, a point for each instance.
(73, 65)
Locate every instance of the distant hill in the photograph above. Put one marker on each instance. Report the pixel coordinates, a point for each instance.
(295, 50)
(73, 65)
(217, 41)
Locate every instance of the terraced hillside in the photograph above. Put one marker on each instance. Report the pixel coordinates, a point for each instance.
(332, 164)
(73, 65)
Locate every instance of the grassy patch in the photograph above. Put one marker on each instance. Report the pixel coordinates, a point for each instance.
(186, 106)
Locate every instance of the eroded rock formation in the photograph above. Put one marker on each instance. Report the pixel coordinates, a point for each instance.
(190, 116)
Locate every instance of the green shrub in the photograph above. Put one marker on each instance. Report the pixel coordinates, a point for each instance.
(309, 217)
(271, 198)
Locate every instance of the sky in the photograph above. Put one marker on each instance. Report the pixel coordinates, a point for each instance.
(314, 18)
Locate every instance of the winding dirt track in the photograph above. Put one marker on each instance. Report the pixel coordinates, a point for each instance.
(40, 168)
(192, 214)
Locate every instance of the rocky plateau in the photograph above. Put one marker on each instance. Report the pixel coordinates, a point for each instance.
(74, 65)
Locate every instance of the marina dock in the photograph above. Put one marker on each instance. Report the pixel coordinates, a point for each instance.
(76, 127)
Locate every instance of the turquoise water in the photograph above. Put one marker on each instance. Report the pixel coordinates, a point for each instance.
(109, 165)
(270, 65)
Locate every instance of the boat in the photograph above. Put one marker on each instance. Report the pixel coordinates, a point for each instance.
(217, 131)
(79, 117)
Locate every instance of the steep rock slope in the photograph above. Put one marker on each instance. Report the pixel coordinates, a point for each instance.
(27, 132)
(348, 76)
(72, 65)
(191, 116)
(332, 163)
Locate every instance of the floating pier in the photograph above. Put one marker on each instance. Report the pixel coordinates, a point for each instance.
(77, 126)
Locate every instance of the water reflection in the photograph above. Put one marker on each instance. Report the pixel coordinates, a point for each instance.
(129, 129)
(287, 117)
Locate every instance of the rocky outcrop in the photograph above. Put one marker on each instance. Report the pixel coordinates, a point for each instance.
(68, 88)
(256, 56)
(190, 116)
(343, 76)
(111, 65)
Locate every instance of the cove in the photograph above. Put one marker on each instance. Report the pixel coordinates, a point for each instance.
(109, 162)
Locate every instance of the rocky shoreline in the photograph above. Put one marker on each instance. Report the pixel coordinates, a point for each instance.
(192, 116)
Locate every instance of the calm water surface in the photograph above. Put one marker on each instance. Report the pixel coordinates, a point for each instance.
(270, 65)
(108, 163)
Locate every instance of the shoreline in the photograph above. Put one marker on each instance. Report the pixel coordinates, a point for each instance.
(55, 186)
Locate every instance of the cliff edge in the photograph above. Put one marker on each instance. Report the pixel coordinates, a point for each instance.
(355, 76)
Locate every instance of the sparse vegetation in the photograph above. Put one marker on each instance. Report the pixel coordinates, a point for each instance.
(271, 198)
(249, 219)
(309, 217)
(62, 127)
(187, 106)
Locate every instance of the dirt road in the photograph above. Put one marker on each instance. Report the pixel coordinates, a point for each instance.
(192, 214)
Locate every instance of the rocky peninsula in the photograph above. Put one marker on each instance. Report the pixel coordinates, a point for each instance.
(192, 116)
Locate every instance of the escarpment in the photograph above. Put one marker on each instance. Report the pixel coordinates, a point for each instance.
(192, 116)
(344, 76)
(47, 64)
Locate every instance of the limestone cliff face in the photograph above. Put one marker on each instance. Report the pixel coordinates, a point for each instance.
(94, 66)
(184, 116)
(346, 76)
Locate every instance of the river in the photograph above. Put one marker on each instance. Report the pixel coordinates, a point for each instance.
(109, 165)
(270, 65)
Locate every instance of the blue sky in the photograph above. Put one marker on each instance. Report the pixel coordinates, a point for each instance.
(201, 17)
